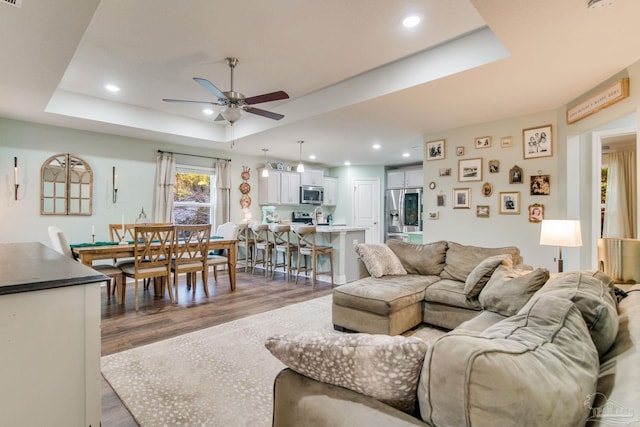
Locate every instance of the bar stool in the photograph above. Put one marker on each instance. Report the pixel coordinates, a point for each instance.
(261, 246)
(245, 240)
(306, 238)
(281, 235)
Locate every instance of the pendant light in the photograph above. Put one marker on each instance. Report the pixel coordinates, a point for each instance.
(265, 171)
(300, 167)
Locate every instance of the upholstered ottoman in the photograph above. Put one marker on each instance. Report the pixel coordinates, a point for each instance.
(387, 305)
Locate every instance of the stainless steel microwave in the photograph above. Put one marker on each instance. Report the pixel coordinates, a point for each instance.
(311, 195)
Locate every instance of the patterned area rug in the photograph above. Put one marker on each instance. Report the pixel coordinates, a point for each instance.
(219, 376)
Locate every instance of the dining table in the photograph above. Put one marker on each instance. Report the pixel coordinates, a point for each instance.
(88, 253)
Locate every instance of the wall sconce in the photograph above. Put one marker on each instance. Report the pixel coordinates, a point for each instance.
(558, 232)
(16, 184)
(114, 179)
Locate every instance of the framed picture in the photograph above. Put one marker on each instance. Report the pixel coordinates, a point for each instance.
(487, 189)
(536, 142)
(515, 175)
(506, 142)
(435, 149)
(482, 211)
(536, 212)
(432, 215)
(445, 172)
(483, 142)
(510, 203)
(461, 198)
(460, 151)
(470, 170)
(440, 200)
(540, 185)
(494, 166)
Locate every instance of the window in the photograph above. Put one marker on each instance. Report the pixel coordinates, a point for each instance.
(194, 195)
(66, 186)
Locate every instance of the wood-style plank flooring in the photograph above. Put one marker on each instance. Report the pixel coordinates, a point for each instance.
(123, 328)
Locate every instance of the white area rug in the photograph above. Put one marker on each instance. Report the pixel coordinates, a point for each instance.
(219, 376)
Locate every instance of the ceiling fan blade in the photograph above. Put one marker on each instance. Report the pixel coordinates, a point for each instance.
(273, 96)
(210, 87)
(194, 102)
(263, 113)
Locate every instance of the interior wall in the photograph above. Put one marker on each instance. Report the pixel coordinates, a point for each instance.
(135, 161)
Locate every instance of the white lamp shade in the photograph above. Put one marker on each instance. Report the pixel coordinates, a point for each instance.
(560, 232)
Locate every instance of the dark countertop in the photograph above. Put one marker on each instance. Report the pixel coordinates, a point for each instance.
(29, 267)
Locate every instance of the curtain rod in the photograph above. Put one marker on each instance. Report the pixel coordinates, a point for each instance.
(194, 155)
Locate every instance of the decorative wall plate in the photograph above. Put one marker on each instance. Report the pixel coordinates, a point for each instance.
(245, 188)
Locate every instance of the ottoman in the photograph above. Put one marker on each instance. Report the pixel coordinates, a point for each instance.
(387, 305)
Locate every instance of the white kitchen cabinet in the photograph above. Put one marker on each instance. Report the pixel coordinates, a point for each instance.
(330, 191)
(313, 177)
(269, 188)
(290, 188)
(404, 178)
(395, 179)
(414, 178)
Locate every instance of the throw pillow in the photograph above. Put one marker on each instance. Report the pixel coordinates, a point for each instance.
(481, 273)
(384, 367)
(379, 259)
(508, 289)
(461, 260)
(426, 259)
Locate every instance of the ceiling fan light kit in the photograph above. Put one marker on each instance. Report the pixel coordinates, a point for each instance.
(235, 102)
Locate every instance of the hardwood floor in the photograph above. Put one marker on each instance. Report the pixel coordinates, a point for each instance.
(123, 328)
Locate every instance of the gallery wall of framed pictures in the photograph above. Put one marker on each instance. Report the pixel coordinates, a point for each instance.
(516, 181)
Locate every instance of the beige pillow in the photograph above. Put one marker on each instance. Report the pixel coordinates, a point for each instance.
(508, 289)
(384, 367)
(379, 259)
(481, 273)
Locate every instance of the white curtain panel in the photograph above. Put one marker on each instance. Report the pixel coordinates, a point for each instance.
(165, 181)
(620, 205)
(223, 192)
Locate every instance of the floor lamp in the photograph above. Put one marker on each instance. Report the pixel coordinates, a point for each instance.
(560, 232)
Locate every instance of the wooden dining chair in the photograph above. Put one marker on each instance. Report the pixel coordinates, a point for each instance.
(191, 248)
(282, 244)
(307, 248)
(153, 253)
(61, 244)
(245, 241)
(262, 247)
(228, 231)
(119, 232)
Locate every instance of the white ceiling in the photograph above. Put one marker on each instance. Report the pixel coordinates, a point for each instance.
(354, 76)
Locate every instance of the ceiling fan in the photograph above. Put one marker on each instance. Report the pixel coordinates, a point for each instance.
(234, 101)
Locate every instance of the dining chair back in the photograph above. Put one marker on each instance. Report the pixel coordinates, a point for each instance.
(61, 245)
(120, 232)
(227, 231)
(282, 244)
(262, 247)
(190, 255)
(245, 242)
(307, 248)
(153, 253)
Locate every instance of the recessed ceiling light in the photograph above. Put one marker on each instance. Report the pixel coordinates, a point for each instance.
(312, 156)
(112, 88)
(376, 146)
(208, 111)
(347, 163)
(411, 21)
(405, 154)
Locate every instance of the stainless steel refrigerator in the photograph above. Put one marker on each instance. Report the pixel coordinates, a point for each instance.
(403, 213)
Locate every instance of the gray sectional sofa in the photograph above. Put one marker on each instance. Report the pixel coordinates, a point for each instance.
(531, 350)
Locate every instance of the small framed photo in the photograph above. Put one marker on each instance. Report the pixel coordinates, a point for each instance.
(487, 189)
(515, 175)
(470, 170)
(536, 142)
(536, 212)
(440, 199)
(494, 166)
(510, 203)
(506, 142)
(540, 185)
(483, 142)
(461, 198)
(435, 149)
(433, 215)
(460, 151)
(482, 211)
(444, 171)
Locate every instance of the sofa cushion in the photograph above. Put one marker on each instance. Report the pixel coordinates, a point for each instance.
(534, 368)
(450, 292)
(509, 289)
(479, 276)
(592, 294)
(383, 295)
(461, 260)
(426, 259)
(384, 367)
(379, 259)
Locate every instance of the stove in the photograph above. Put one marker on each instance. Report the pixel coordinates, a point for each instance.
(302, 217)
